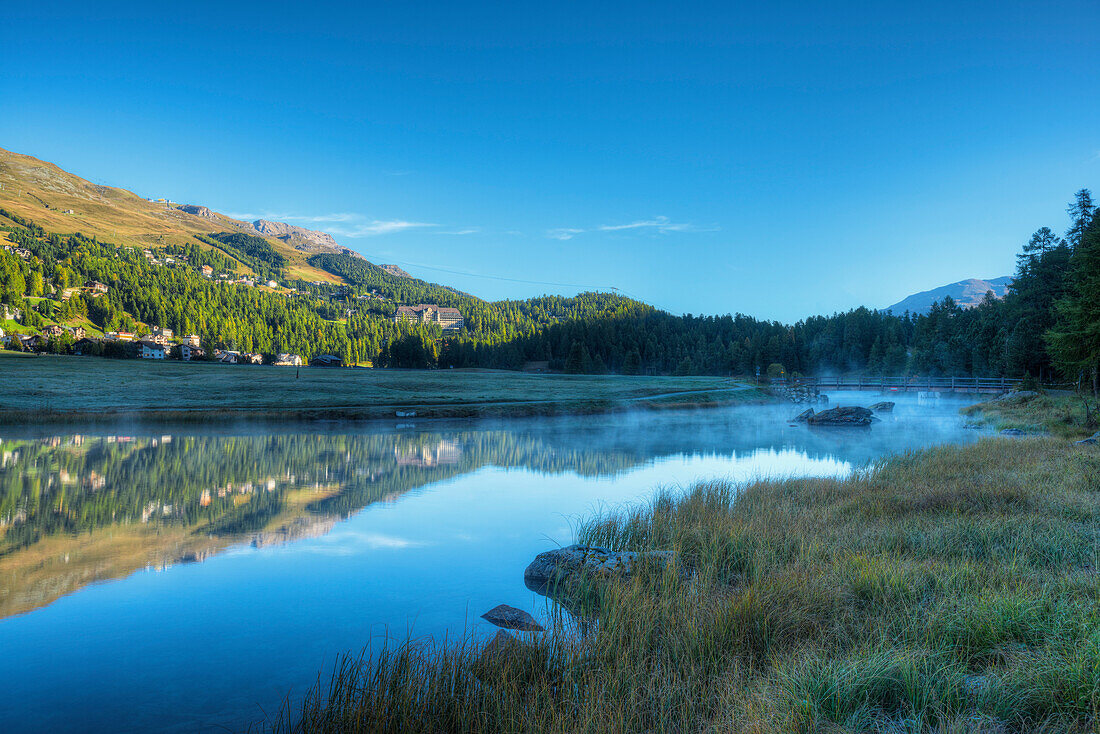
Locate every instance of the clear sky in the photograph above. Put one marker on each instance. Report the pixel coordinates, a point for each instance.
(779, 159)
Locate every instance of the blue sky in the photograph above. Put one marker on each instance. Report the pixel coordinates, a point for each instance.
(779, 159)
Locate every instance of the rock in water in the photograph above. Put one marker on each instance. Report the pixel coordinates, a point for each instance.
(852, 416)
(804, 416)
(511, 618)
(558, 565)
(1012, 432)
(884, 407)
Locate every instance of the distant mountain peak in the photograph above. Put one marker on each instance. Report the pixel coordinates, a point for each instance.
(306, 240)
(967, 293)
(394, 270)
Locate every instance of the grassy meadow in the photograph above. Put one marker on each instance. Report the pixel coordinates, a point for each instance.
(38, 388)
(1060, 414)
(954, 589)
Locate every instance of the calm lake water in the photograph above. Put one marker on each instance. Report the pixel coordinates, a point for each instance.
(189, 580)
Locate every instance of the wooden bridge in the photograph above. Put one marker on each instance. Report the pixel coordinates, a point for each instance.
(993, 385)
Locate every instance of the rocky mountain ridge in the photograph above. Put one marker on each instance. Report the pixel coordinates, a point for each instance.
(967, 293)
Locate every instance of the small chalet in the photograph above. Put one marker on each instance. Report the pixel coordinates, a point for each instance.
(96, 288)
(192, 339)
(288, 360)
(207, 271)
(326, 360)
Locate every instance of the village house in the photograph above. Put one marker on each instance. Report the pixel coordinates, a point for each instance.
(97, 288)
(161, 331)
(326, 360)
(191, 339)
(429, 313)
(119, 336)
(207, 271)
(251, 358)
(189, 352)
(53, 330)
(78, 332)
(288, 360)
(152, 350)
(227, 356)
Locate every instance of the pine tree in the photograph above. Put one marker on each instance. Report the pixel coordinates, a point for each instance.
(578, 362)
(632, 365)
(1075, 338)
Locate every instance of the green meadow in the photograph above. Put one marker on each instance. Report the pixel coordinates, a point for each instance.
(39, 388)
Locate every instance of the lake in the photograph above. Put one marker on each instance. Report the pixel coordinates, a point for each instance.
(184, 579)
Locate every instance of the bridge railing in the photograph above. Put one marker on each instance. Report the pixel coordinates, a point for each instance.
(904, 383)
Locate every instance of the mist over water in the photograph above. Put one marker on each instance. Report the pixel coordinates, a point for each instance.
(187, 580)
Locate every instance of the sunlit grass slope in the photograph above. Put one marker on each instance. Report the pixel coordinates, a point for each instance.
(950, 590)
(64, 203)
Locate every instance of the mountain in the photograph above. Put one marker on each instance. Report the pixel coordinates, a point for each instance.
(966, 293)
(394, 270)
(300, 238)
(64, 203)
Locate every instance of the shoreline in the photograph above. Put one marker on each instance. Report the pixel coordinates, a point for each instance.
(393, 412)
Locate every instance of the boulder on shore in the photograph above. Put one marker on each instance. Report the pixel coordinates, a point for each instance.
(849, 416)
(511, 618)
(804, 416)
(884, 407)
(557, 566)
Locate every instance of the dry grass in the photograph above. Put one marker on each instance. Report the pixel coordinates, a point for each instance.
(43, 192)
(951, 590)
(1058, 414)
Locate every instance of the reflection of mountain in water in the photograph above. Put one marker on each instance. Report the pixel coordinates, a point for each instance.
(77, 509)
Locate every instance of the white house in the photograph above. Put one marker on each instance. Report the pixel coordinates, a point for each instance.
(288, 360)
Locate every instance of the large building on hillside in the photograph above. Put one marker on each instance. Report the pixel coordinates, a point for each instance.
(429, 313)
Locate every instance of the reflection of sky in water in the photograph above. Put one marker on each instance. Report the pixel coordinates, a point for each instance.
(203, 644)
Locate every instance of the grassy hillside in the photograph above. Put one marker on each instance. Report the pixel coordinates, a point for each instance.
(46, 194)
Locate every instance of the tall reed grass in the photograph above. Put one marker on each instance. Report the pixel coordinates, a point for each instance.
(955, 589)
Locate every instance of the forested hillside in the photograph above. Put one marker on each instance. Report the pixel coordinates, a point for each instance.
(1046, 326)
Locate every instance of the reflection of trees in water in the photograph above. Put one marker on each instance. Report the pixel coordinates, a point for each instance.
(176, 499)
(236, 485)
